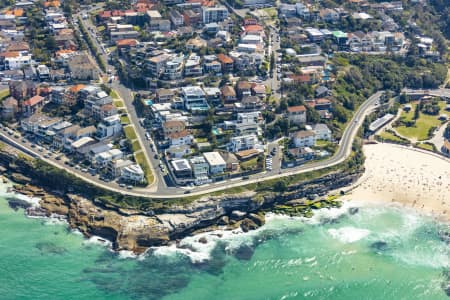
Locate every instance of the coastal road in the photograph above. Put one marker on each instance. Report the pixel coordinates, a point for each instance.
(159, 188)
(344, 150)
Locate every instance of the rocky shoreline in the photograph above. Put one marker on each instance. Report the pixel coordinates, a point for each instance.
(136, 230)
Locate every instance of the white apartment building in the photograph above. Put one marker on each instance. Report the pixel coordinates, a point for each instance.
(214, 14)
(215, 161)
(244, 142)
(194, 98)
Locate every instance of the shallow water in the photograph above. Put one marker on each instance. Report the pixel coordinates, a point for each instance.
(377, 253)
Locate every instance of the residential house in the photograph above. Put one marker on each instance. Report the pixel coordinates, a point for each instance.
(259, 90)
(31, 124)
(173, 69)
(192, 66)
(115, 167)
(21, 90)
(226, 62)
(133, 173)
(92, 151)
(214, 67)
(244, 142)
(215, 161)
(109, 127)
(249, 122)
(287, 10)
(249, 103)
(232, 163)
(105, 110)
(194, 98)
(214, 14)
(164, 95)
(243, 89)
(176, 18)
(302, 153)
(122, 35)
(43, 72)
(323, 104)
(213, 95)
(322, 132)
(156, 64)
(82, 145)
(183, 137)
(314, 60)
(15, 60)
(71, 95)
(228, 94)
(181, 168)
(200, 167)
(82, 67)
(57, 94)
(329, 15)
(174, 126)
(304, 138)
(297, 114)
(321, 91)
(32, 105)
(102, 159)
(178, 151)
(192, 18)
(195, 43)
(9, 108)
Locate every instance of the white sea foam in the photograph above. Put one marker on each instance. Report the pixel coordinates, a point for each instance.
(96, 240)
(198, 251)
(55, 219)
(433, 258)
(126, 254)
(348, 234)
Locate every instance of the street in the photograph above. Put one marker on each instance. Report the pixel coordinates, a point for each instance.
(159, 187)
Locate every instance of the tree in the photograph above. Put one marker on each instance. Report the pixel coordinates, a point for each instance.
(416, 112)
(403, 98)
(280, 186)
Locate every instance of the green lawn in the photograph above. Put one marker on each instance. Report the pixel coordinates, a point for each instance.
(425, 146)
(114, 94)
(135, 146)
(249, 164)
(390, 137)
(101, 28)
(4, 94)
(130, 133)
(423, 124)
(140, 159)
(118, 103)
(271, 11)
(322, 143)
(124, 120)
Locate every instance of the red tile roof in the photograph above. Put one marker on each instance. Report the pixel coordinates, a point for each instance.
(126, 43)
(225, 59)
(258, 28)
(301, 78)
(33, 101)
(297, 108)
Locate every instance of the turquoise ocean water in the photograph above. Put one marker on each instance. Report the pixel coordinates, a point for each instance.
(371, 253)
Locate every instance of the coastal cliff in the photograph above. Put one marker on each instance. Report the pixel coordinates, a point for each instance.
(137, 229)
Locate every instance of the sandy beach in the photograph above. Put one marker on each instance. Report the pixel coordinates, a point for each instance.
(414, 178)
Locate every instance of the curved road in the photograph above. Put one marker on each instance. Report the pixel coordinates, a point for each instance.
(344, 150)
